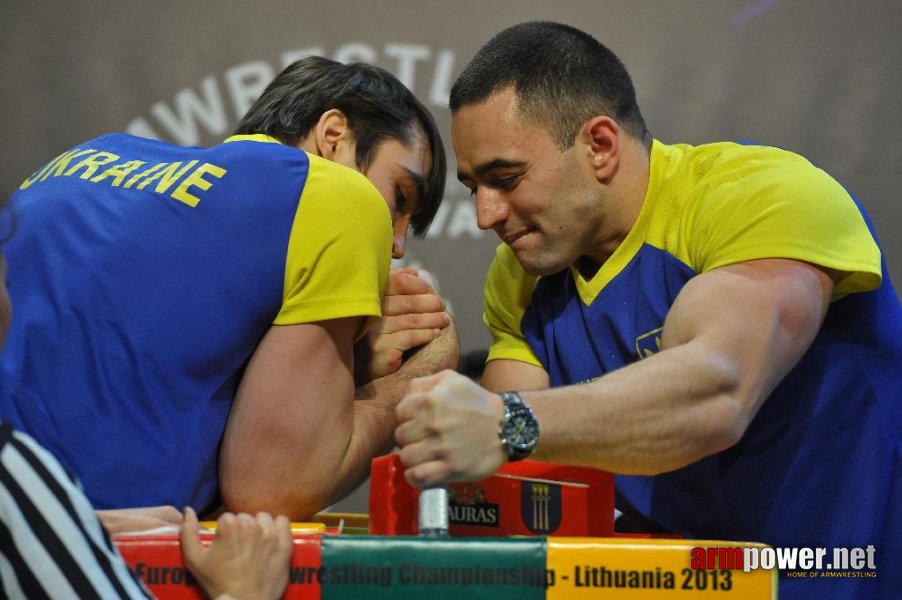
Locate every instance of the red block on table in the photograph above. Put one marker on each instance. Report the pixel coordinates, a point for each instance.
(523, 498)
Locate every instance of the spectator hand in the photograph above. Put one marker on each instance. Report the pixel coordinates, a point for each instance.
(449, 430)
(247, 560)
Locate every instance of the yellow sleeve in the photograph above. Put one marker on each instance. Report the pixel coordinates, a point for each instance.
(508, 290)
(339, 250)
(752, 210)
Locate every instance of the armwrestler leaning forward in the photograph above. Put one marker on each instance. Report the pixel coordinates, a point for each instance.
(188, 317)
(712, 323)
(52, 544)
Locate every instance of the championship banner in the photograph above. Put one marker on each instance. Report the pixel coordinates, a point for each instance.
(330, 567)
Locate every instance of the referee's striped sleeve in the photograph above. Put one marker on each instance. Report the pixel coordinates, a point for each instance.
(52, 545)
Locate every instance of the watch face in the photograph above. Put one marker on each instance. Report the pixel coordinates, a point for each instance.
(521, 430)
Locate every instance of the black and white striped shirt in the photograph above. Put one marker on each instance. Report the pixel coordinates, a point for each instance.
(52, 545)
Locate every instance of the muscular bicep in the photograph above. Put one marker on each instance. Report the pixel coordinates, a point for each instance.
(751, 321)
(293, 412)
(502, 375)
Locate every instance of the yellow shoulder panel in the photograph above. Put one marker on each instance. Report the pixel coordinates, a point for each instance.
(339, 251)
(508, 290)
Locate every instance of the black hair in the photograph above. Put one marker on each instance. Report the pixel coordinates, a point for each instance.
(561, 76)
(378, 108)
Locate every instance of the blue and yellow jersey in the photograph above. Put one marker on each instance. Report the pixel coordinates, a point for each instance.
(143, 277)
(706, 207)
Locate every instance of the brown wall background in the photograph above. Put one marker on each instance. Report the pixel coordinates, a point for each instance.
(820, 77)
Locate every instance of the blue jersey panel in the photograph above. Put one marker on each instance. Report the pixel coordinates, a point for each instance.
(136, 311)
(840, 407)
(577, 343)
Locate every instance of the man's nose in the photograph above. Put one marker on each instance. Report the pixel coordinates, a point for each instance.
(400, 229)
(490, 209)
(399, 245)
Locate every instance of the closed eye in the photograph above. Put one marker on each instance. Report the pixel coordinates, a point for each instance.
(400, 200)
(506, 183)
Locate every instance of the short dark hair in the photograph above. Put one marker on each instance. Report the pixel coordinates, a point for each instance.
(561, 76)
(378, 108)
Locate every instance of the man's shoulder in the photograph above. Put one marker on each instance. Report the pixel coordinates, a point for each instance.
(329, 179)
(127, 140)
(714, 154)
(265, 155)
(256, 151)
(733, 159)
(696, 179)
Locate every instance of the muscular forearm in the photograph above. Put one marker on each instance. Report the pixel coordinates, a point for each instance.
(295, 462)
(730, 337)
(653, 416)
(374, 409)
(699, 394)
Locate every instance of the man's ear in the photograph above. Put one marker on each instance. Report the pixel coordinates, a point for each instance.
(330, 131)
(602, 138)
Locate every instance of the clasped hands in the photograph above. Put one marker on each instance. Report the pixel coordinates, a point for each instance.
(413, 314)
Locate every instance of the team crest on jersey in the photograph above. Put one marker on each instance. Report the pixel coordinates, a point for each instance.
(649, 343)
(540, 506)
(467, 506)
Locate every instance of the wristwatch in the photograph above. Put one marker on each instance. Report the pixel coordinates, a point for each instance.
(519, 431)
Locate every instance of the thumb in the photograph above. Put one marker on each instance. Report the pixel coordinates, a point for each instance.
(427, 277)
(190, 537)
(283, 528)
